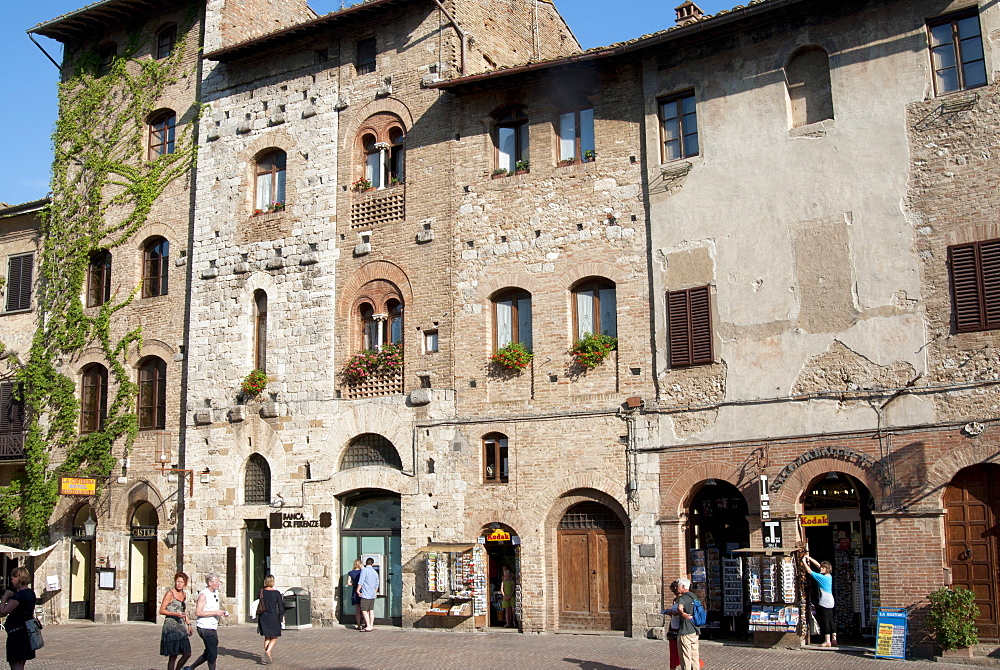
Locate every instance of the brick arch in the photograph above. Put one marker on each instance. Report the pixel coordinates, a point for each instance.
(939, 476)
(488, 287)
(372, 271)
(677, 498)
(388, 105)
(152, 347)
(149, 231)
(86, 357)
(572, 496)
(787, 500)
(593, 269)
(144, 490)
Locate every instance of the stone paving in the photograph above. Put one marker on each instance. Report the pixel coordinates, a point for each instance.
(135, 647)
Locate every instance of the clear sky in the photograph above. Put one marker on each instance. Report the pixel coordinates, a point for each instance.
(28, 79)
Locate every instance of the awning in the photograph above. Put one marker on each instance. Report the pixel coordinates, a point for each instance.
(42, 552)
(445, 547)
(13, 551)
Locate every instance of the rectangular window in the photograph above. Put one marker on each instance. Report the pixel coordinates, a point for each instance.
(689, 327)
(430, 341)
(956, 45)
(19, 275)
(576, 136)
(366, 56)
(11, 409)
(678, 127)
(975, 285)
(495, 460)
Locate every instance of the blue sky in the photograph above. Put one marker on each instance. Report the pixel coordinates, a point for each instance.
(28, 79)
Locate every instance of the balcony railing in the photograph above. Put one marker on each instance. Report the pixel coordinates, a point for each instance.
(11, 446)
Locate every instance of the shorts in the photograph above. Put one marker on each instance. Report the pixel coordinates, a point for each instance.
(367, 604)
(211, 639)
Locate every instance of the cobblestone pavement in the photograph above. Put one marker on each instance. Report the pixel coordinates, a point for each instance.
(135, 647)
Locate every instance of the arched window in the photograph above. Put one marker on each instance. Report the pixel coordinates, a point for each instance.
(512, 318)
(93, 398)
(595, 308)
(106, 58)
(495, 469)
(152, 394)
(260, 330)
(99, 278)
(270, 181)
(395, 310)
(162, 129)
(512, 139)
(807, 76)
(370, 449)
(382, 143)
(155, 267)
(257, 482)
(397, 153)
(380, 314)
(165, 40)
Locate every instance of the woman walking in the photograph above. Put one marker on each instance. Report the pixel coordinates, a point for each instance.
(352, 584)
(175, 639)
(270, 614)
(18, 605)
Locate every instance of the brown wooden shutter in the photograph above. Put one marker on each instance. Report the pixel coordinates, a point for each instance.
(689, 317)
(230, 572)
(11, 410)
(19, 270)
(975, 285)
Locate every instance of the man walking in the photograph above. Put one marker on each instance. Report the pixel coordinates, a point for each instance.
(367, 590)
(687, 633)
(208, 609)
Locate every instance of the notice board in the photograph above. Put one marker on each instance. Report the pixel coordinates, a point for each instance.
(891, 640)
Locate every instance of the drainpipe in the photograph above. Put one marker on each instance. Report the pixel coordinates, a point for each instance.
(458, 29)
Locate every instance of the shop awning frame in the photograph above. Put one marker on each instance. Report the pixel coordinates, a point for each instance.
(447, 547)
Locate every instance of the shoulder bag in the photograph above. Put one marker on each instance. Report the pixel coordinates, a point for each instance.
(34, 627)
(260, 603)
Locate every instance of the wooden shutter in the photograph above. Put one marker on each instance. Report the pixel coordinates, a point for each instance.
(19, 269)
(230, 572)
(975, 285)
(689, 328)
(11, 410)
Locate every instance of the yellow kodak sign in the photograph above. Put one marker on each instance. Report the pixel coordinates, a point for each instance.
(77, 486)
(815, 520)
(498, 536)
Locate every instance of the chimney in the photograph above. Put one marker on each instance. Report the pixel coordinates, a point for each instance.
(688, 13)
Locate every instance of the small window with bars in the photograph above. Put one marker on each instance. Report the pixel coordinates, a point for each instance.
(590, 515)
(975, 285)
(370, 449)
(257, 485)
(689, 327)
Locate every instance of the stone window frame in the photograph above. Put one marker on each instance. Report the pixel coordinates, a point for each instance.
(99, 278)
(166, 38)
(956, 50)
(675, 104)
(808, 86)
(595, 284)
(93, 398)
(162, 127)
(690, 340)
(496, 451)
(381, 136)
(514, 118)
(260, 304)
(151, 372)
(378, 295)
(515, 294)
(974, 275)
(155, 267)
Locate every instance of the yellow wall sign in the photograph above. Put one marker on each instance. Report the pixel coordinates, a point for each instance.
(498, 536)
(815, 520)
(77, 486)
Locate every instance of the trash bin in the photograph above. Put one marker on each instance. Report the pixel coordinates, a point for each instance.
(298, 609)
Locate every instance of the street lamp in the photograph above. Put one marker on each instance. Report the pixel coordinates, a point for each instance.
(90, 526)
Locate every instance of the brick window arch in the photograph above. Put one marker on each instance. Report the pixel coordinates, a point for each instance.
(382, 146)
(379, 315)
(595, 308)
(269, 184)
(93, 398)
(257, 481)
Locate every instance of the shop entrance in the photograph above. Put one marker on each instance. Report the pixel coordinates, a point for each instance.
(370, 526)
(81, 566)
(258, 553)
(717, 527)
(972, 504)
(593, 569)
(142, 604)
(503, 549)
(848, 542)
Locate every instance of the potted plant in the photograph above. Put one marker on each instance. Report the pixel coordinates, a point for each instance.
(589, 155)
(362, 185)
(591, 350)
(387, 360)
(512, 356)
(952, 617)
(499, 172)
(520, 167)
(276, 207)
(254, 384)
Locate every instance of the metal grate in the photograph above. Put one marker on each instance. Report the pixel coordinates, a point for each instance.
(590, 515)
(257, 490)
(371, 449)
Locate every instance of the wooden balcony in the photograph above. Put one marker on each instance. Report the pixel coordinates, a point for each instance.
(11, 446)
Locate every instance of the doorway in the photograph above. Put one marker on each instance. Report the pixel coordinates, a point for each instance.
(142, 604)
(503, 550)
(370, 526)
(593, 569)
(972, 504)
(258, 553)
(81, 567)
(848, 542)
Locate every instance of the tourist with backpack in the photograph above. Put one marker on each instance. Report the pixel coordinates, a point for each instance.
(692, 616)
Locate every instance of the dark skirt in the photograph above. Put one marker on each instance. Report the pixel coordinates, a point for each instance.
(174, 640)
(269, 621)
(18, 647)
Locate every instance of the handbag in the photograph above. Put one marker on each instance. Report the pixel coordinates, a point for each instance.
(34, 627)
(260, 603)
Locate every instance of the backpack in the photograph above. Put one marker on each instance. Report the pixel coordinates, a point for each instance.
(699, 616)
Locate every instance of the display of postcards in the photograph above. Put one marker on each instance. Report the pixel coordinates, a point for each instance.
(788, 579)
(753, 578)
(732, 586)
(697, 557)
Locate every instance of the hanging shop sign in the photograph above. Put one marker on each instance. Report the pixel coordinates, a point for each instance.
(498, 536)
(77, 486)
(765, 499)
(833, 453)
(298, 520)
(772, 535)
(143, 532)
(813, 520)
(891, 640)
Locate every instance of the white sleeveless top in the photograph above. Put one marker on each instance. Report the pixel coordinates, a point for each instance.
(212, 604)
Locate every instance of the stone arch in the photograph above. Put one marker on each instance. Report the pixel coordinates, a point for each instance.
(386, 479)
(143, 490)
(388, 105)
(677, 498)
(372, 271)
(787, 500)
(155, 229)
(152, 347)
(939, 476)
(389, 419)
(256, 436)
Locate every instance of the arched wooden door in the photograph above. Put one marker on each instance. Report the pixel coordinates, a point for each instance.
(593, 569)
(972, 502)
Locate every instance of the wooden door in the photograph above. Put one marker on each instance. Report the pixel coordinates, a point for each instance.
(593, 569)
(972, 500)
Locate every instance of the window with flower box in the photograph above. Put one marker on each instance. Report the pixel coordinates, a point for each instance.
(270, 182)
(512, 318)
(595, 304)
(576, 136)
(511, 140)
